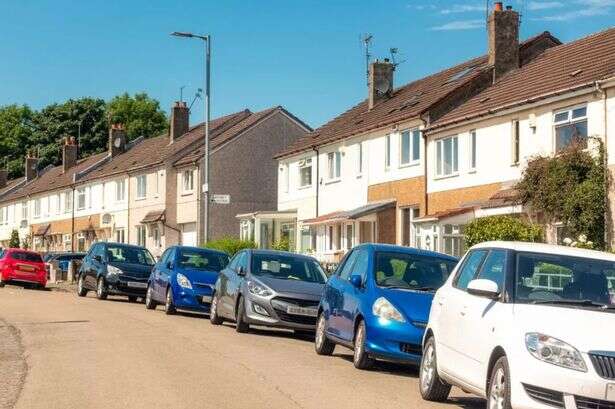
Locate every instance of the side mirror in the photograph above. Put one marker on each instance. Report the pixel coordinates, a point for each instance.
(356, 280)
(97, 258)
(484, 288)
(241, 271)
(169, 265)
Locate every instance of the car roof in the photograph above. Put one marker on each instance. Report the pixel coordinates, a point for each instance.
(281, 253)
(115, 244)
(547, 249)
(200, 249)
(406, 250)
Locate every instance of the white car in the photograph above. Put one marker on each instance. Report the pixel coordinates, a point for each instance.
(526, 326)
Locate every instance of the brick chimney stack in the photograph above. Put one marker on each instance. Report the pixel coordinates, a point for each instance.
(503, 29)
(31, 166)
(180, 120)
(70, 153)
(380, 81)
(117, 139)
(4, 177)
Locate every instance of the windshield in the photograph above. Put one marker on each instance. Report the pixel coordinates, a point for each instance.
(132, 255)
(401, 270)
(561, 279)
(26, 256)
(287, 268)
(202, 260)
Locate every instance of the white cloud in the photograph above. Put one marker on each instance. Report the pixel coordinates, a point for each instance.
(460, 25)
(544, 5)
(463, 8)
(582, 8)
(597, 3)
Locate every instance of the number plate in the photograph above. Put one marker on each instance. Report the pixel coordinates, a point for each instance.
(25, 268)
(610, 392)
(308, 312)
(133, 284)
(206, 298)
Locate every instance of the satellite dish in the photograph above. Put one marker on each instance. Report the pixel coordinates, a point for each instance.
(382, 86)
(117, 142)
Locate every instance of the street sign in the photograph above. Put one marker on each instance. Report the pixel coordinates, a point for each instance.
(220, 199)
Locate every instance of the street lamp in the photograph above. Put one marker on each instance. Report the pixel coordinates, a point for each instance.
(207, 40)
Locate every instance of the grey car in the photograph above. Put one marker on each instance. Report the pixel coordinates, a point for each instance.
(269, 288)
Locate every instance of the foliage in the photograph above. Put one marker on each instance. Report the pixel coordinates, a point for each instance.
(506, 228)
(581, 242)
(26, 242)
(14, 240)
(230, 245)
(140, 113)
(15, 135)
(282, 245)
(570, 188)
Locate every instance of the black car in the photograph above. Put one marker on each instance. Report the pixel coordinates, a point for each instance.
(115, 269)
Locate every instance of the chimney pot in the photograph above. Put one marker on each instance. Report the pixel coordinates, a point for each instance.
(31, 166)
(180, 120)
(117, 139)
(498, 6)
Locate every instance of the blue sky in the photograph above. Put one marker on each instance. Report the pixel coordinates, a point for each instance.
(305, 55)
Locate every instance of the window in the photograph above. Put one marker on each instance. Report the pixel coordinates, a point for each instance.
(24, 211)
(308, 239)
(37, 208)
(454, 242)
(3, 215)
(129, 255)
(329, 237)
(120, 236)
(48, 208)
(305, 173)
(141, 236)
(494, 268)
(410, 149)
(141, 186)
(334, 161)
(402, 270)
(81, 242)
(405, 226)
(120, 190)
(285, 177)
(447, 156)
(188, 181)
(516, 143)
(156, 236)
(68, 201)
(338, 237)
(472, 149)
(80, 199)
(387, 151)
(570, 127)
(469, 269)
(359, 159)
(349, 236)
(57, 203)
(361, 264)
(346, 269)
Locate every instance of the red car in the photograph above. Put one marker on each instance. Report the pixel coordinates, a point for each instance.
(22, 266)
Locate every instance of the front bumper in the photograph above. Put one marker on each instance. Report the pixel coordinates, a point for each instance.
(394, 341)
(197, 299)
(277, 314)
(127, 286)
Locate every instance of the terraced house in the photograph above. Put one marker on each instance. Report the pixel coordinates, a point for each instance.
(148, 191)
(412, 165)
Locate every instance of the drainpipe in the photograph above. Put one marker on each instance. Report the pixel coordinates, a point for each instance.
(72, 220)
(315, 149)
(607, 213)
(128, 208)
(426, 197)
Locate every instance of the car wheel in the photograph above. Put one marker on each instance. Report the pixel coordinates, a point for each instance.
(101, 289)
(150, 304)
(499, 386)
(361, 358)
(81, 290)
(433, 388)
(214, 318)
(322, 344)
(241, 325)
(169, 307)
(2, 283)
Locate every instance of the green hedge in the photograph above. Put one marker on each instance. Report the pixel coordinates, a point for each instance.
(506, 228)
(230, 245)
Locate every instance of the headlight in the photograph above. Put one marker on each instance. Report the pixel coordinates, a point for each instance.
(183, 281)
(114, 271)
(554, 351)
(384, 309)
(259, 289)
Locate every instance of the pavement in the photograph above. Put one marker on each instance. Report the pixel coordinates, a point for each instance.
(61, 351)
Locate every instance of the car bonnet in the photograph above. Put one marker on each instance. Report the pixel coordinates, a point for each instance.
(312, 290)
(414, 305)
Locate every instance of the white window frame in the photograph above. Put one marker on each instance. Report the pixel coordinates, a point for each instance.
(334, 166)
(141, 235)
(472, 150)
(37, 208)
(68, 201)
(387, 151)
(120, 190)
(414, 158)
(81, 194)
(304, 165)
(439, 162)
(456, 237)
(570, 120)
(24, 210)
(141, 192)
(120, 235)
(188, 181)
(515, 142)
(359, 159)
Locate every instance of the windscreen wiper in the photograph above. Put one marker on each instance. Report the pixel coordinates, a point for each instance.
(583, 303)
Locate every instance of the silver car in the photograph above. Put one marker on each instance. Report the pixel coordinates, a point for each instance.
(269, 288)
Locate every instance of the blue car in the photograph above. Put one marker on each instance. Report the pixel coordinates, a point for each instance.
(377, 303)
(184, 279)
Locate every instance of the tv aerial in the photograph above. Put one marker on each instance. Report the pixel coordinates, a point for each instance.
(197, 95)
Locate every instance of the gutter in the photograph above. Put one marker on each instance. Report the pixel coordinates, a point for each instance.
(425, 178)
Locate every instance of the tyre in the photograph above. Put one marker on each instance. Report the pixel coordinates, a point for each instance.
(241, 325)
(150, 304)
(214, 318)
(432, 387)
(361, 358)
(132, 298)
(169, 307)
(81, 290)
(101, 289)
(499, 386)
(2, 283)
(322, 344)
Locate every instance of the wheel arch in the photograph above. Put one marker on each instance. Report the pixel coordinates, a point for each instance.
(357, 319)
(497, 353)
(428, 334)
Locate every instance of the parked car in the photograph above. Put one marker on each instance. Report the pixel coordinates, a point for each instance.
(526, 326)
(115, 269)
(22, 266)
(270, 288)
(184, 279)
(63, 260)
(377, 303)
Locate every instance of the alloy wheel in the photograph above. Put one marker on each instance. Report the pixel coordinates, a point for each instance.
(497, 393)
(99, 287)
(428, 368)
(213, 309)
(148, 296)
(320, 331)
(358, 344)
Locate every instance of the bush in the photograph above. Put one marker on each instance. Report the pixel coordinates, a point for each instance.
(14, 241)
(506, 228)
(281, 245)
(230, 245)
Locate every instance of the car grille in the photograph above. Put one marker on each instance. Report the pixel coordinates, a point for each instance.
(295, 319)
(589, 403)
(413, 349)
(603, 364)
(296, 301)
(546, 396)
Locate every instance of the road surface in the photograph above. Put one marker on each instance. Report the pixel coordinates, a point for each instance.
(61, 351)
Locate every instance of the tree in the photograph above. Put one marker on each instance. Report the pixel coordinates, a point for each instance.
(230, 245)
(14, 240)
(15, 135)
(140, 114)
(506, 228)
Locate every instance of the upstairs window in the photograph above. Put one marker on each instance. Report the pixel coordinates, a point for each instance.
(570, 127)
(516, 142)
(447, 156)
(37, 208)
(68, 201)
(473, 150)
(188, 181)
(120, 190)
(80, 199)
(141, 186)
(359, 158)
(24, 211)
(410, 147)
(305, 172)
(334, 162)
(387, 151)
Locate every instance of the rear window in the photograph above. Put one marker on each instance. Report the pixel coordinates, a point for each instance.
(25, 256)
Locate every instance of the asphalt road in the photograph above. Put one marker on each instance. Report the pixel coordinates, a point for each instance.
(61, 351)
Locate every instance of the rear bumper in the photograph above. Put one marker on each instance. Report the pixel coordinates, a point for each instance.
(14, 276)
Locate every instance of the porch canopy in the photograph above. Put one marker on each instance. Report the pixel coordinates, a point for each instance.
(153, 217)
(42, 229)
(446, 214)
(348, 215)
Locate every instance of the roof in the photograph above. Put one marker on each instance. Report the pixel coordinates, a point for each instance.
(548, 249)
(352, 214)
(153, 216)
(504, 197)
(564, 67)
(10, 185)
(407, 250)
(445, 214)
(407, 102)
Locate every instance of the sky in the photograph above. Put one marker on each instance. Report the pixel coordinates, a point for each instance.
(304, 55)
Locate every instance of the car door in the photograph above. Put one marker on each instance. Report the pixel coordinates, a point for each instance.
(351, 295)
(164, 275)
(234, 285)
(155, 281)
(450, 301)
(338, 323)
(89, 268)
(224, 304)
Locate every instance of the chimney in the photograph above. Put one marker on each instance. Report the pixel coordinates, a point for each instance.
(180, 120)
(4, 176)
(380, 81)
(70, 153)
(31, 166)
(117, 139)
(503, 29)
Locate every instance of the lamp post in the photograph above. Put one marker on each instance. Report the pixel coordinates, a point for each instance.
(207, 41)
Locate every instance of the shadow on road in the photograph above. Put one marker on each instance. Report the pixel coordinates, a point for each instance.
(276, 332)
